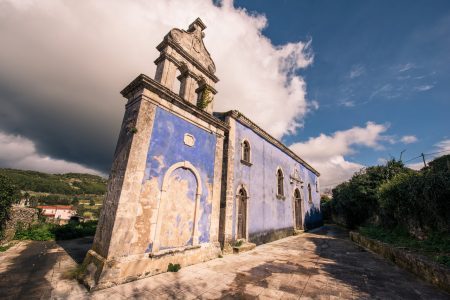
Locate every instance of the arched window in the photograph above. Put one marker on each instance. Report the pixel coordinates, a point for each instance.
(246, 151)
(309, 194)
(280, 188)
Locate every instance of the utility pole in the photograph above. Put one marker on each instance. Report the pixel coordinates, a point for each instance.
(423, 158)
(401, 154)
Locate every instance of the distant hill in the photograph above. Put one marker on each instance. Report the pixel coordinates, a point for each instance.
(65, 184)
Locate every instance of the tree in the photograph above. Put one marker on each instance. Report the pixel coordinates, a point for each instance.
(8, 195)
(26, 195)
(75, 201)
(355, 202)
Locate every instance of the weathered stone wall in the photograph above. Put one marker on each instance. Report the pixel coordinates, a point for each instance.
(424, 268)
(18, 216)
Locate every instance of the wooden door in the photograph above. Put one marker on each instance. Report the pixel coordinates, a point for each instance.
(242, 215)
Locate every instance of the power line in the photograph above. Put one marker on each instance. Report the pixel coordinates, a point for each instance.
(447, 150)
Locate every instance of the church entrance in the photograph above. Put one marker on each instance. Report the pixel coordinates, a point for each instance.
(242, 214)
(298, 209)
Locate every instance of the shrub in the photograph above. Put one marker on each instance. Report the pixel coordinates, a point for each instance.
(38, 232)
(418, 201)
(173, 267)
(8, 195)
(325, 207)
(356, 202)
(48, 231)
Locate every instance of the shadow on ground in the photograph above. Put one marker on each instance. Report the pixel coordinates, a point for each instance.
(77, 248)
(27, 274)
(334, 267)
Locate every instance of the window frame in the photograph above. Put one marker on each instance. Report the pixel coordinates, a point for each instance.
(280, 183)
(310, 201)
(244, 161)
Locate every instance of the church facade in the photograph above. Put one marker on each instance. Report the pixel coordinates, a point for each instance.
(187, 183)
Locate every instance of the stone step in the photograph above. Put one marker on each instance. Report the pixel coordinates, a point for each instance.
(298, 231)
(246, 246)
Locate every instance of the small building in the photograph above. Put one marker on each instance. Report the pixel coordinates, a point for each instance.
(187, 183)
(57, 213)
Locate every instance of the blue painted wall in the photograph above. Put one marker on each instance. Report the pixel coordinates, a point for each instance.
(167, 148)
(265, 211)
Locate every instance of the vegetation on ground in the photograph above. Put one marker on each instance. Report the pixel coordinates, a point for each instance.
(173, 267)
(397, 205)
(3, 248)
(47, 231)
(9, 194)
(436, 246)
(66, 184)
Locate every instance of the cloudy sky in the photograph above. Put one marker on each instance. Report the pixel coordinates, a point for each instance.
(345, 85)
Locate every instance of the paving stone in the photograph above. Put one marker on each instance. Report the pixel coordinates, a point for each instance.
(293, 268)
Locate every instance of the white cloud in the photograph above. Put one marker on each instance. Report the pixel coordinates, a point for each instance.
(415, 166)
(356, 71)
(423, 88)
(443, 146)
(408, 139)
(19, 152)
(76, 56)
(327, 152)
(405, 67)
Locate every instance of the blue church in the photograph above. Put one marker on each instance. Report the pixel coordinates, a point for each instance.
(187, 183)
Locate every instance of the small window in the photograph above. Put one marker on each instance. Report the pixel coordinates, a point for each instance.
(317, 186)
(309, 194)
(280, 188)
(177, 84)
(246, 151)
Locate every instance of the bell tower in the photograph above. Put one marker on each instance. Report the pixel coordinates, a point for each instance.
(184, 53)
(163, 200)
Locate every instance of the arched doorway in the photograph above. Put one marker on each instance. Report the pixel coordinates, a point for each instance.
(242, 214)
(178, 211)
(298, 209)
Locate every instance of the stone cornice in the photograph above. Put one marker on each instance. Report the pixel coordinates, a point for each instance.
(261, 132)
(145, 82)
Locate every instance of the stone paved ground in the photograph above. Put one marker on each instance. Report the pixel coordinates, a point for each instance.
(319, 265)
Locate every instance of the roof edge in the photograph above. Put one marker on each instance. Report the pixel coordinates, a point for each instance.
(261, 132)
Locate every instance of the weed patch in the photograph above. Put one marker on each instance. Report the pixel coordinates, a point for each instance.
(173, 267)
(47, 231)
(436, 246)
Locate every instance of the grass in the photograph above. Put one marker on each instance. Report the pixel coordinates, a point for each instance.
(5, 247)
(48, 232)
(436, 246)
(238, 243)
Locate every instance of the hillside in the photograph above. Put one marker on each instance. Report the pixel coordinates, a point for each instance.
(65, 184)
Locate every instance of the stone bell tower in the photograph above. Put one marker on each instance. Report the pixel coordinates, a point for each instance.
(163, 199)
(183, 52)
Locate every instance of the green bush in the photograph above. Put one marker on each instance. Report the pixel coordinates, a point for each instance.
(356, 202)
(9, 193)
(47, 231)
(325, 208)
(173, 267)
(418, 201)
(38, 232)
(75, 230)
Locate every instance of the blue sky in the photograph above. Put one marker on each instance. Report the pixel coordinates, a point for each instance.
(382, 61)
